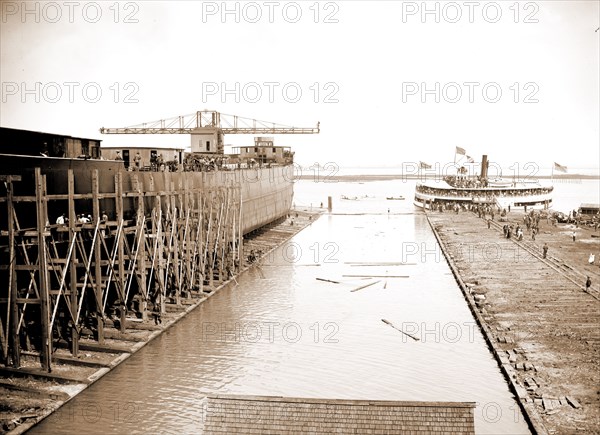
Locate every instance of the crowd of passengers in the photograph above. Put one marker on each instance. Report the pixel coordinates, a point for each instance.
(483, 193)
(465, 182)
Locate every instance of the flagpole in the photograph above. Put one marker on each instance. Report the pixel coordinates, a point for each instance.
(552, 175)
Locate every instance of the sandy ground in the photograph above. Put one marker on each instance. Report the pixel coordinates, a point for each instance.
(544, 327)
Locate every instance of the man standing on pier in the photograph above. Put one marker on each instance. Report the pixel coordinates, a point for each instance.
(545, 249)
(588, 284)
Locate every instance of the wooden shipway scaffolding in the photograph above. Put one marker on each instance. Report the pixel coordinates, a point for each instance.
(62, 282)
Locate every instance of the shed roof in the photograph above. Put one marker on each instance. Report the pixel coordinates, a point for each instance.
(227, 414)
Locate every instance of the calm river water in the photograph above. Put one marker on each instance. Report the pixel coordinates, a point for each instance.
(281, 331)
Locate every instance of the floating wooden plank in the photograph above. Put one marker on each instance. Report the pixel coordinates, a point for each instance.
(375, 276)
(387, 322)
(381, 263)
(327, 280)
(364, 286)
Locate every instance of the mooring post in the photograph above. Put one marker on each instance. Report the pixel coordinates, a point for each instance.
(329, 204)
(40, 203)
(73, 263)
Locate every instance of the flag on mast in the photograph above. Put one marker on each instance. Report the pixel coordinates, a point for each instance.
(559, 168)
(423, 165)
(461, 151)
(470, 159)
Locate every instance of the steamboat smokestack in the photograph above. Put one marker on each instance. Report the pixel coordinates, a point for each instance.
(484, 166)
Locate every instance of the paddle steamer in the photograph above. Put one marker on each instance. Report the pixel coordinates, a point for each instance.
(464, 190)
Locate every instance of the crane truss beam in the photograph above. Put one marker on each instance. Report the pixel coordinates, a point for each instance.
(155, 130)
(208, 119)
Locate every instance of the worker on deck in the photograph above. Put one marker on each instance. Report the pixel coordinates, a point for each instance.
(137, 160)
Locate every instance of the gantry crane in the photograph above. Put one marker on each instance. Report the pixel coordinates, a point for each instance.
(207, 128)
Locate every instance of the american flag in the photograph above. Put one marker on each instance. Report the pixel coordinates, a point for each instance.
(460, 150)
(559, 168)
(423, 165)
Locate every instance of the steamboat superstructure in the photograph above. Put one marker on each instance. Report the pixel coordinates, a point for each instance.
(461, 190)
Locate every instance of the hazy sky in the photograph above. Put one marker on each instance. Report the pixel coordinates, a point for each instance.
(363, 69)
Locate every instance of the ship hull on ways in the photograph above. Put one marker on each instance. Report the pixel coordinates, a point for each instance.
(266, 193)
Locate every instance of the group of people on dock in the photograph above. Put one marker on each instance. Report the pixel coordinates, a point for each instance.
(480, 209)
(531, 221)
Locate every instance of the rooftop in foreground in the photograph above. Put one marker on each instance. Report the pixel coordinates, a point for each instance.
(269, 414)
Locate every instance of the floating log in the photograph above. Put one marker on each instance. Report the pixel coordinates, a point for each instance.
(365, 286)
(378, 263)
(376, 276)
(327, 280)
(398, 329)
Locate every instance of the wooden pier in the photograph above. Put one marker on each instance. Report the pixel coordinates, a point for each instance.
(535, 313)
